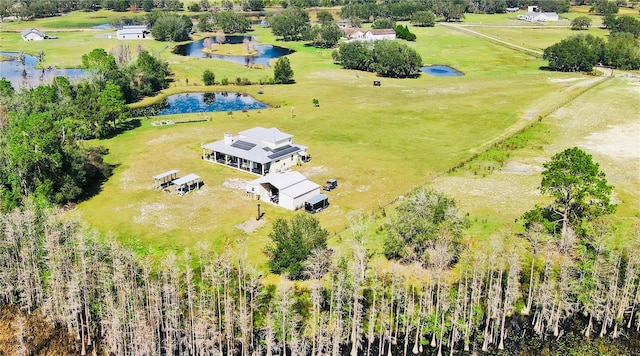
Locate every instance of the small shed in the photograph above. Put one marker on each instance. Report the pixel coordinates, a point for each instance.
(316, 204)
(33, 34)
(164, 179)
(187, 183)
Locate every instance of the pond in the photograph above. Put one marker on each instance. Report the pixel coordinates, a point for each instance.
(208, 102)
(441, 71)
(104, 26)
(265, 54)
(28, 75)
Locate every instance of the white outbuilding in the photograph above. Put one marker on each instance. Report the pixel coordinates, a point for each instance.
(289, 190)
(136, 32)
(32, 34)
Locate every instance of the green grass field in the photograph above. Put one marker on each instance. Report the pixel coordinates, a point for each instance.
(379, 142)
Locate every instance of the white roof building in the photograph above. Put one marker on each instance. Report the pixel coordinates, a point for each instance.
(289, 190)
(358, 34)
(539, 16)
(380, 34)
(134, 32)
(32, 34)
(258, 150)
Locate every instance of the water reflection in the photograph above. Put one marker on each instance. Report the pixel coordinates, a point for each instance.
(208, 102)
(265, 52)
(20, 69)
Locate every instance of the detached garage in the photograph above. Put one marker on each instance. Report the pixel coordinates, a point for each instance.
(316, 204)
(289, 190)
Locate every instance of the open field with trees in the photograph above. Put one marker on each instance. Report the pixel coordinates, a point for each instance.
(458, 223)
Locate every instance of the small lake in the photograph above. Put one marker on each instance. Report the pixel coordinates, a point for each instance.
(28, 75)
(442, 71)
(208, 102)
(265, 54)
(104, 26)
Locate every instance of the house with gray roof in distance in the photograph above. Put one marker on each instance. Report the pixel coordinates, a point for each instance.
(134, 32)
(533, 15)
(33, 34)
(380, 34)
(258, 150)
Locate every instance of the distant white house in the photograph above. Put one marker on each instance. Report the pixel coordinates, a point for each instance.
(380, 34)
(258, 150)
(289, 190)
(533, 16)
(33, 34)
(358, 34)
(136, 32)
(352, 33)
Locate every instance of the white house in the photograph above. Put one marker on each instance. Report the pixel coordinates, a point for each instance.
(380, 34)
(132, 32)
(258, 150)
(352, 33)
(289, 190)
(33, 34)
(539, 16)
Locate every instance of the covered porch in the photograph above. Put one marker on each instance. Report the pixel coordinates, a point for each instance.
(236, 162)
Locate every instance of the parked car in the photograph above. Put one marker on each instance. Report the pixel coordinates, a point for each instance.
(331, 185)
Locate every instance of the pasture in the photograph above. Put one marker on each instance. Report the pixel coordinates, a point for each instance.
(379, 142)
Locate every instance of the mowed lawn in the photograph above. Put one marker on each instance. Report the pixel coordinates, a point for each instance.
(379, 142)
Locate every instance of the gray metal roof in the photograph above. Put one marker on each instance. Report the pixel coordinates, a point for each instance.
(318, 198)
(29, 30)
(186, 179)
(268, 135)
(300, 189)
(260, 153)
(165, 174)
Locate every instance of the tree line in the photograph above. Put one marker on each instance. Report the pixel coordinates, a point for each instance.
(30, 9)
(386, 58)
(43, 129)
(446, 296)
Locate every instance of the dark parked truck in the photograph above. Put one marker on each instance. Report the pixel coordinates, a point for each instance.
(316, 203)
(331, 185)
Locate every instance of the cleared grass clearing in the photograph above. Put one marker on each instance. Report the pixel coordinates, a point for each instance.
(76, 20)
(379, 142)
(536, 38)
(603, 122)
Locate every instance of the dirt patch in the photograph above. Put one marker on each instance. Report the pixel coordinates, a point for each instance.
(153, 214)
(513, 167)
(314, 171)
(163, 138)
(235, 183)
(362, 188)
(562, 80)
(251, 225)
(619, 142)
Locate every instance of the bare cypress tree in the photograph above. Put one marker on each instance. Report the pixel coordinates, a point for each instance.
(359, 267)
(512, 290)
(170, 305)
(537, 240)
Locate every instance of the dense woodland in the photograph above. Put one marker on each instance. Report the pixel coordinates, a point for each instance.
(51, 162)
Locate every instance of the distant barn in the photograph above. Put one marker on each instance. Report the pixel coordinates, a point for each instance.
(137, 32)
(33, 34)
